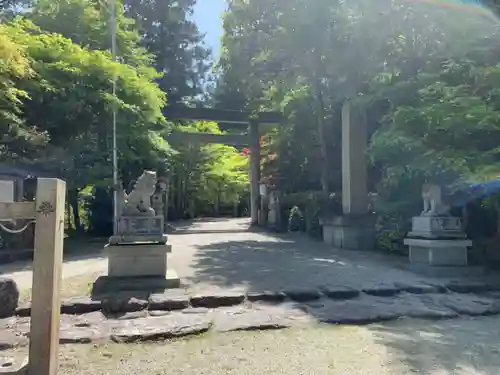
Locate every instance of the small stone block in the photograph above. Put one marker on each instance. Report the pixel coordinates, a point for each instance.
(80, 305)
(340, 292)
(24, 310)
(217, 299)
(303, 295)
(9, 297)
(168, 302)
(123, 304)
(382, 290)
(272, 297)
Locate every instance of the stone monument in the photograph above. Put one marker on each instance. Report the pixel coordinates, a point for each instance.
(139, 247)
(436, 241)
(274, 211)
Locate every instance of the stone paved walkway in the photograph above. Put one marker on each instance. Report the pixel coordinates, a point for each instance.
(224, 254)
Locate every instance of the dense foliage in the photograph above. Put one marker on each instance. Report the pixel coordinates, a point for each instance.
(56, 102)
(425, 73)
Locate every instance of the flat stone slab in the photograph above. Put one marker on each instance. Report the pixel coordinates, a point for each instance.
(83, 335)
(145, 325)
(469, 304)
(251, 319)
(10, 340)
(469, 287)
(419, 287)
(424, 306)
(13, 366)
(359, 311)
(217, 299)
(168, 301)
(129, 315)
(159, 328)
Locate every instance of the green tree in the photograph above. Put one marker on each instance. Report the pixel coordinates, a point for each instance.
(168, 33)
(67, 98)
(206, 176)
(18, 139)
(87, 23)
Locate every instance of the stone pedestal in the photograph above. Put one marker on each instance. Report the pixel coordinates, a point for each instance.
(139, 266)
(133, 229)
(140, 259)
(438, 252)
(437, 227)
(353, 232)
(437, 242)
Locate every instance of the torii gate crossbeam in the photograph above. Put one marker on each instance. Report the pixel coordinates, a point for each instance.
(250, 139)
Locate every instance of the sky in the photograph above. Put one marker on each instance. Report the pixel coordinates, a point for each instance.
(207, 15)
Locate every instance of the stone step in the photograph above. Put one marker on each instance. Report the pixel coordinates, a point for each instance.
(178, 299)
(152, 325)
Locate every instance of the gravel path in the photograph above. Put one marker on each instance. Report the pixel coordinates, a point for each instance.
(459, 347)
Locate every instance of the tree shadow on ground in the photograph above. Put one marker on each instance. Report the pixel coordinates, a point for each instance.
(284, 262)
(74, 250)
(457, 346)
(205, 231)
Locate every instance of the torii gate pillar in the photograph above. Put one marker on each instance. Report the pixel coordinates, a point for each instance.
(254, 170)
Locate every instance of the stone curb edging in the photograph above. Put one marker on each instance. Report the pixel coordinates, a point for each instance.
(124, 303)
(155, 325)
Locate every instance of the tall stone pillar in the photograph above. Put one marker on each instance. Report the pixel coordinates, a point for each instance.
(355, 229)
(254, 143)
(354, 176)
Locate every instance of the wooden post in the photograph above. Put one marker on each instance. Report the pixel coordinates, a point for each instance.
(47, 267)
(254, 143)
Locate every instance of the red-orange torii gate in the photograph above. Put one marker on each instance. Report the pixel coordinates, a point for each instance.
(250, 139)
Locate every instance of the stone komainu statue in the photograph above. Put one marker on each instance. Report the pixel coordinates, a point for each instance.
(138, 202)
(433, 204)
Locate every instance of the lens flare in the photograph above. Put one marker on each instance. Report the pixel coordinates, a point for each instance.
(468, 6)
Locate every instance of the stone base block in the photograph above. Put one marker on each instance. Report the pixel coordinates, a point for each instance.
(135, 239)
(110, 285)
(438, 252)
(437, 227)
(350, 232)
(137, 259)
(447, 271)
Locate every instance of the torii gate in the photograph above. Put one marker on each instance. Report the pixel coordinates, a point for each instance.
(249, 139)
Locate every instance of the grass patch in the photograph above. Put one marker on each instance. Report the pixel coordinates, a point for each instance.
(77, 286)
